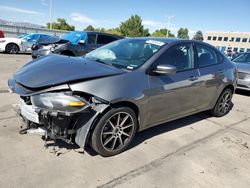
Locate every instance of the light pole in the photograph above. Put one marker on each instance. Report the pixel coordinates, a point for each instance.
(50, 15)
(168, 24)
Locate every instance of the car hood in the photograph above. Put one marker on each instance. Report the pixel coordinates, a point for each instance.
(243, 67)
(53, 70)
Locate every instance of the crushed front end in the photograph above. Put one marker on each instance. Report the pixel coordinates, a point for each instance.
(63, 115)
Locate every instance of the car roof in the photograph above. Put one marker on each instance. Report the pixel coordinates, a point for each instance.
(35, 34)
(161, 39)
(109, 34)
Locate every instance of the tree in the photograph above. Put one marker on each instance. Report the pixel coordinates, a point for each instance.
(198, 36)
(133, 27)
(114, 31)
(100, 29)
(61, 24)
(183, 33)
(89, 28)
(162, 33)
(146, 32)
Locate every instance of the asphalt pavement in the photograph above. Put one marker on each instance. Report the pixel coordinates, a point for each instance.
(196, 151)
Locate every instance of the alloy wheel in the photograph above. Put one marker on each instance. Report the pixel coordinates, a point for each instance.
(117, 131)
(12, 48)
(225, 102)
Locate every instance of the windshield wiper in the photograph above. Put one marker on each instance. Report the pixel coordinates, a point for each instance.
(103, 62)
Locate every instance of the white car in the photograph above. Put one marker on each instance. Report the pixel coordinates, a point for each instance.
(22, 44)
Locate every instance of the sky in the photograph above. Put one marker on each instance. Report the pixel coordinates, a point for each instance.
(204, 15)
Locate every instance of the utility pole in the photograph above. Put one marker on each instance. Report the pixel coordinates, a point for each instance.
(168, 24)
(50, 15)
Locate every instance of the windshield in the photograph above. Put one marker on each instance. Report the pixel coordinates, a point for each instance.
(75, 37)
(242, 58)
(126, 53)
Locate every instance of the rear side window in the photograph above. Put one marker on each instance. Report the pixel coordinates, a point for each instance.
(206, 55)
(104, 39)
(91, 38)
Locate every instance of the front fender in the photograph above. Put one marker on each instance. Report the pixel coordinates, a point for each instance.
(85, 124)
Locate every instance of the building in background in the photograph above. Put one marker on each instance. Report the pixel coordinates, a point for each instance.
(229, 42)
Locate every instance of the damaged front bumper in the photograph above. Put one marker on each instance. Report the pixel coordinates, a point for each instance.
(69, 127)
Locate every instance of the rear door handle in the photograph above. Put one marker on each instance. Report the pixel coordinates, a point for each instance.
(193, 78)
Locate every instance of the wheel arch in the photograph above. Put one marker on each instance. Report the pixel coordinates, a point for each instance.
(117, 104)
(228, 86)
(14, 44)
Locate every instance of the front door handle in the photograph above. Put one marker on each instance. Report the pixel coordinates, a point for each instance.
(193, 78)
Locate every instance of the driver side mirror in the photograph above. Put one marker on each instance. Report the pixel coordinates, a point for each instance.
(165, 69)
(81, 42)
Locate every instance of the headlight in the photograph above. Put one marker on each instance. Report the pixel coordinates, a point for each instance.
(2, 41)
(61, 102)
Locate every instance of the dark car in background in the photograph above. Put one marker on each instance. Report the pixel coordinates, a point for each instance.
(242, 61)
(105, 97)
(75, 43)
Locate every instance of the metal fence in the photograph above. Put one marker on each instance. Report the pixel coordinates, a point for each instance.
(14, 31)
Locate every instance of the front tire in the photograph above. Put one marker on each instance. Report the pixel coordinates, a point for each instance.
(12, 48)
(224, 104)
(114, 131)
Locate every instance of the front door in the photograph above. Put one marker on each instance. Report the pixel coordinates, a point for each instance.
(171, 96)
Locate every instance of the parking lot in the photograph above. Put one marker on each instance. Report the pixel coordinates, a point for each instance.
(196, 151)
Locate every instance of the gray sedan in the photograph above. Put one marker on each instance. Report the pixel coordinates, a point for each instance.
(243, 63)
(126, 86)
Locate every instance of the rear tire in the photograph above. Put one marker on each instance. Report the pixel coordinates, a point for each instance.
(114, 131)
(12, 48)
(223, 104)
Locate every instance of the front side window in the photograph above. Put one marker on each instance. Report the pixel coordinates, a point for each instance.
(104, 39)
(206, 55)
(126, 53)
(180, 56)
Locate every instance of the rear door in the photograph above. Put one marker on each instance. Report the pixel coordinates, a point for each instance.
(211, 70)
(174, 95)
